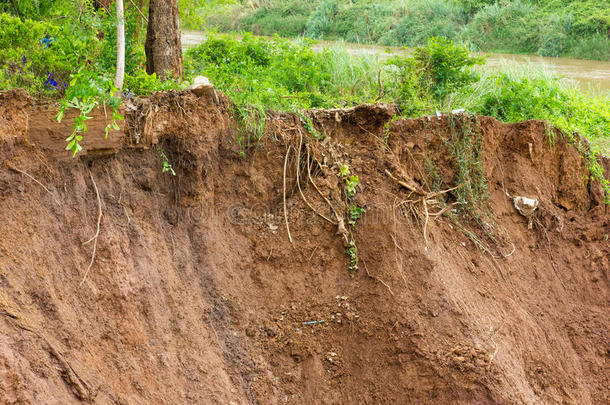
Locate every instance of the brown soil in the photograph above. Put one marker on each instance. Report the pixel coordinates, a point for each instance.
(197, 295)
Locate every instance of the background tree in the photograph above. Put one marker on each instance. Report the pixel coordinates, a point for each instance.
(120, 44)
(163, 45)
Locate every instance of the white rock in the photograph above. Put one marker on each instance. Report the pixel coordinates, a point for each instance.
(201, 81)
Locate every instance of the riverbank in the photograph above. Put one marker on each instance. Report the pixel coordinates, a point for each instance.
(261, 73)
(229, 282)
(576, 29)
(590, 76)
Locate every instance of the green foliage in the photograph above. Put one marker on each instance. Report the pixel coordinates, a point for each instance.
(352, 254)
(319, 22)
(444, 66)
(351, 181)
(361, 21)
(588, 17)
(166, 166)
(87, 91)
(27, 62)
(424, 19)
(140, 82)
(546, 27)
(472, 6)
(355, 212)
(510, 28)
(308, 124)
(260, 74)
(432, 73)
(344, 170)
(86, 38)
(261, 71)
(30, 9)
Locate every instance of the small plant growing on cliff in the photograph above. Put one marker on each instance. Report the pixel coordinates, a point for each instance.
(350, 185)
(166, 165)
(308, 124)
(386, 132)
(352, 253)
(355, 212)
(344, 170)
(465, 147)
(351, 181)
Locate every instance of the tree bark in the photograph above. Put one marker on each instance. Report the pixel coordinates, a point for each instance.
(163, 40)
(120, 45)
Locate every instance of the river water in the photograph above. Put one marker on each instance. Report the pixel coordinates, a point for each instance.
(590, 76)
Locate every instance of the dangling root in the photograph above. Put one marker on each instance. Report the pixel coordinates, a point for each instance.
(299, 180)
(34, 180)
(285, 210)
(427, 198)
(97, 232)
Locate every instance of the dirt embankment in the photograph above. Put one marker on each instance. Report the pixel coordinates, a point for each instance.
(197, 295)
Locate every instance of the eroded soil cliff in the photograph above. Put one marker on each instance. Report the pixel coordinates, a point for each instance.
(196, 293)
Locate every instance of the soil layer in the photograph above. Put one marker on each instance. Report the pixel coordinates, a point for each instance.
(228, 283)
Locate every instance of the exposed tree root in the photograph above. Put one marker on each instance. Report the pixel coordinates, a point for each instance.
(298, 165)
(285, 210)
(376, 278)
(36, 181)
(97, 232)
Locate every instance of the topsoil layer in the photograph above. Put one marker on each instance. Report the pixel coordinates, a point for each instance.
(188, 289)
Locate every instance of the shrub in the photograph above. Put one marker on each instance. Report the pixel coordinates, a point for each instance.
(142, 83)
(512, 27)
(595, 47)
(319, 22)
(27, 61)
(425, 19)
(362, 22)
(41, 56)
(554, 40)
(28, 9)
(432, 73)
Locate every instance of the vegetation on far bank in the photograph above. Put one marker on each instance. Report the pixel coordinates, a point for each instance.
(572, 28)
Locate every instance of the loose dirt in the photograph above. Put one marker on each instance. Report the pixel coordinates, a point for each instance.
(197, 296)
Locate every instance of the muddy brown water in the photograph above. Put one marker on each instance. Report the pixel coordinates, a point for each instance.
(589, 75)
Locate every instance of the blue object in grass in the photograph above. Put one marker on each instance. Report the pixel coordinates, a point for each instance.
(51, 82)
(47, 41)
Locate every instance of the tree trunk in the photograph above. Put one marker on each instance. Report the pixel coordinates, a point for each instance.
(163, 40)
(120, 45)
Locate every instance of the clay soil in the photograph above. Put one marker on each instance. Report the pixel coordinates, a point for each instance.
(196, 294)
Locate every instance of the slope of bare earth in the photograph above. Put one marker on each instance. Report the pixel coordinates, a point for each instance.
(196, 293)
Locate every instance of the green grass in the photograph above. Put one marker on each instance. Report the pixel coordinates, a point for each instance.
(574, 28)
